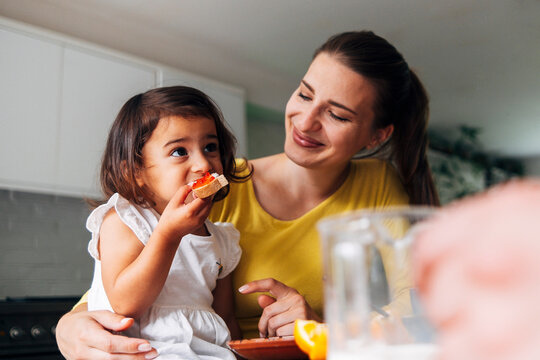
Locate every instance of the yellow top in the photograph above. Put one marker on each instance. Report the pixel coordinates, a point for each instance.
(289, 251)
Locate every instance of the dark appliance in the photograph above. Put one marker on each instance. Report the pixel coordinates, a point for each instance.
(28, 325)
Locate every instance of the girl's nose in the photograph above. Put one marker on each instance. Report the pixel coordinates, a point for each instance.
(200, 164)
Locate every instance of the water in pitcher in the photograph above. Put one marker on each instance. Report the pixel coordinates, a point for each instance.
(384, 352)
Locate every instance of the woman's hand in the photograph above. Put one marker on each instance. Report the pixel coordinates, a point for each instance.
(281, 309)
(84, 335)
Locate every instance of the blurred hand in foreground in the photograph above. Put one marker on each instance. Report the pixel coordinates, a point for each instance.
(478, 269)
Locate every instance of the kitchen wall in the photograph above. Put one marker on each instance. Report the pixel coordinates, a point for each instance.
(43, 245)
(266, 131)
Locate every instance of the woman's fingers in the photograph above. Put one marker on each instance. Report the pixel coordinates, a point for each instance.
(279, 312)
(265, 300)
(276, 288)
(84, 335)
(110, 320)
(280, 315)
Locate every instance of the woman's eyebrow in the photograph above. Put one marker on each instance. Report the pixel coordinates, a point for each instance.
(336, 104)
(310, 88)
(331, 102)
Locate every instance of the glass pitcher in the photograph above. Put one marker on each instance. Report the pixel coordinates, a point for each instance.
(371, 306)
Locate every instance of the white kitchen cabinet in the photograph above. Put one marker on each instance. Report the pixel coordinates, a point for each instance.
(94, 88)
(230, 99)
(57, 103)
(30, 73)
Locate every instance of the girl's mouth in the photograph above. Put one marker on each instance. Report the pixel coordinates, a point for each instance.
(304, 141)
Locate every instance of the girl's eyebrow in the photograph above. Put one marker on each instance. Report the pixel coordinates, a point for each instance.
(174, 141)
(184, 139)
(331, 102)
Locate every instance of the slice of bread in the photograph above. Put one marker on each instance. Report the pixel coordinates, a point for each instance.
(211, 188)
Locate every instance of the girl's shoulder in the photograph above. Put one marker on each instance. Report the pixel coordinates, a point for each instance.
(140, 220)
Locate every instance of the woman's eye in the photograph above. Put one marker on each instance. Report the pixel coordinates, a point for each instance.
(303, 97)
(212, 147)
(338, 117)
(179, 152)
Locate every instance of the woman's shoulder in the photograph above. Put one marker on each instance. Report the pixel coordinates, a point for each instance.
(250, 169)
(379, 177)
(263, 164)
(374, 167)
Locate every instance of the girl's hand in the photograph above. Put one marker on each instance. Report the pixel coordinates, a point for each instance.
(179, 219)
(281, 310)
(85, 335)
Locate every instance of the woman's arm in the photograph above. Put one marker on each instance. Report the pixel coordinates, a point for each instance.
(82, 334)
(281, 310)
(223, 305)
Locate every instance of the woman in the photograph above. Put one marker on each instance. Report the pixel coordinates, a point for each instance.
(358, 95)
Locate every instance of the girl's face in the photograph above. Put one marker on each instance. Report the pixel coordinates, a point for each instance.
(179, 150)
(329, 118)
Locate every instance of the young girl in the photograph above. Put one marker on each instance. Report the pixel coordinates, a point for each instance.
(157, 258)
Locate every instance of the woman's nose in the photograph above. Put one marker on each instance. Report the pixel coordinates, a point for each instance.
(309, 120)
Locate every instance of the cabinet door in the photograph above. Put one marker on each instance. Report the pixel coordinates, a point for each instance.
(230, 100)
(29, 105)
(94, 89)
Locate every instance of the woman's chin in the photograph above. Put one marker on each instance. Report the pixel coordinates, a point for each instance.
(301, 156)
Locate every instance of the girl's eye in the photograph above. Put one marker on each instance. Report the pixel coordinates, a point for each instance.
(303, 97)
(338, 117)
(212, 147)
(179, 152)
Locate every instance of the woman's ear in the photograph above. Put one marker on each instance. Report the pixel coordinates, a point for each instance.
(380, 136)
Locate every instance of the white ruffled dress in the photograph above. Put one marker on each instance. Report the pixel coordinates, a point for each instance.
(181, 323)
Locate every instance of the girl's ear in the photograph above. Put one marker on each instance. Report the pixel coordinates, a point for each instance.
(125, 173)
(380, 136)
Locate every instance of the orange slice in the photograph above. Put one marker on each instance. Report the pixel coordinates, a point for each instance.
(311, 338)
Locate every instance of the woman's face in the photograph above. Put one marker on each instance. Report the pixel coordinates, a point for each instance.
(179, 151)
(329, 118)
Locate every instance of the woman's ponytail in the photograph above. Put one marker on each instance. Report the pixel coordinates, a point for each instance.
(410, 144)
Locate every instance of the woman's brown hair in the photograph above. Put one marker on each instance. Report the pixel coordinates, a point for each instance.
(401, 101)
(133, 127)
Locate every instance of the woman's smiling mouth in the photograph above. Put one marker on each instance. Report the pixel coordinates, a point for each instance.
(304, 141)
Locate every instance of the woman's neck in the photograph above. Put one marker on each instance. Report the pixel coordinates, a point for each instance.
(287, 190)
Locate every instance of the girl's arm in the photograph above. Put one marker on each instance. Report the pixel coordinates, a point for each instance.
(134, 274)
(223, 305)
